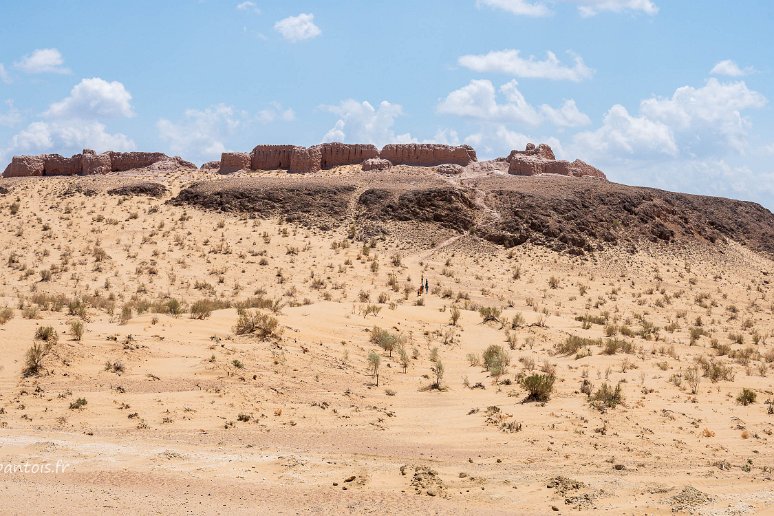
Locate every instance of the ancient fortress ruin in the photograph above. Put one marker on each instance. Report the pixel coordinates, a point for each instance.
(303, 160)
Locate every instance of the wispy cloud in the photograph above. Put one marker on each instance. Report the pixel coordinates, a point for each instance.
(43, 60)
(511, 62)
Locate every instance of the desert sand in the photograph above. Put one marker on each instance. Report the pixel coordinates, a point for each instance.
(154, 410)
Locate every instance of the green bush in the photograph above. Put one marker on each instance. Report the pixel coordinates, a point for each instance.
(77, 329)
(746, 397)
(33, 360)
(46, 334)
(385, 339)
(6, 314)
(496, 359)
(573, 344)
(538, 386)
(607, 397)
(256, 323)
(490, 313)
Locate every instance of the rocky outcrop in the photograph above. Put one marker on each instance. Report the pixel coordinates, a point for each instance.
(376, 164)
(23, 166)
(541, 160)
(170, 164)
(449, 169)
(146, 188)
(581, 168)
(234, 161)
(271, 157)
(427, 155)
(336, 154)
(305, 160)
(215, 165)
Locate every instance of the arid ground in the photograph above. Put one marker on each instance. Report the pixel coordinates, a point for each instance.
(218, 350)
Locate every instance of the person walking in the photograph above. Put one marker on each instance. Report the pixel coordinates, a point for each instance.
(427, 286)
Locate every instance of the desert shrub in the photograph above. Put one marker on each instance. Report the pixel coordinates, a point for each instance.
(33, 359)
(385, 339)
(275, 305)
(115, 367)
(693, 378)
(31, 312)
(171, 306)
(607, 397)
(77, 307)
(455, 315)
(746, 397)
(573, 343)
(538, 386)
(716, 370)
(78, 404)
(553, 282)
(438, 370)
(613, 346)
(517, 321)
(202, 309)
(76, 329)
(47, 334)
(496, 359)
(696, 333)
(256, 323)
(374, 360)
(473, 359)
(126, 315)
(490, 313)
(6, 314)
(404, 358)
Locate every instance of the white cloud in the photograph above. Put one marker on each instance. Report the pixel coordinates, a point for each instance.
(249, 7)
(519, 7)
(593, 7)
(360, 122)
(298, 28)
(731, 69)
(68, 137)
(707, 116)
(478, 100)
(92, 98)
(493, 140)
(11, 117)
(510, 62)
(202, 134)
(625, 135)
(4, 77)
(74, 122)
(705, 121)
(566, 116)
(275, 112)
(698, 176)
(42, 60)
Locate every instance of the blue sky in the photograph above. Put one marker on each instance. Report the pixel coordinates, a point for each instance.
(668, 93)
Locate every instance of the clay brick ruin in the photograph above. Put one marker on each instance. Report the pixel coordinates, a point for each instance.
(89, 162)
(541, 160)
(447, 159)
(331, 155)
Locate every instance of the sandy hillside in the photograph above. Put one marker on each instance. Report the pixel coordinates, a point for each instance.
(173, 358)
